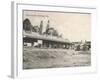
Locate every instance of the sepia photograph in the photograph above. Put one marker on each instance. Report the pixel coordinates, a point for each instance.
(56, 39)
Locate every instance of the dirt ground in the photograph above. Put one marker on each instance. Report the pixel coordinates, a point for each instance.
(54, 58)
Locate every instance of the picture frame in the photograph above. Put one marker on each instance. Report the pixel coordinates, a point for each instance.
(17, 70)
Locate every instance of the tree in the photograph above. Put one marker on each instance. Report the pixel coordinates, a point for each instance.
(27, 25)
(55, 33)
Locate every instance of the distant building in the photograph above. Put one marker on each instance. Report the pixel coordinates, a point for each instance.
(81, 45)
(41, 27)
(48, 25)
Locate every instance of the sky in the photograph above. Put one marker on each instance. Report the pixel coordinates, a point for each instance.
(72, 26)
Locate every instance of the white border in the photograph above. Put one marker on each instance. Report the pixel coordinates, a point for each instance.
(17, 70)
